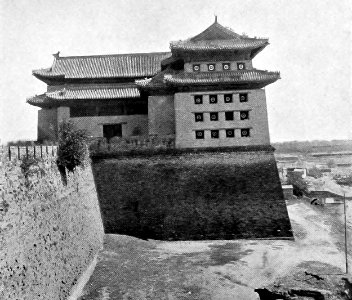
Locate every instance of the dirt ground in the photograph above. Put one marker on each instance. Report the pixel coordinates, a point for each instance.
(130, 268)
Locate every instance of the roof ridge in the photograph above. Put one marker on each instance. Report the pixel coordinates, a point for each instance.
(120, 54)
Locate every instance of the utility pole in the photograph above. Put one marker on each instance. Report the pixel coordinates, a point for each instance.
(344, 210)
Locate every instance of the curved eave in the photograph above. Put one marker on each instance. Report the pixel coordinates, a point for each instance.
(42, 101)
(46, 76)
(250, 76)
(218, 46)
(63, 96)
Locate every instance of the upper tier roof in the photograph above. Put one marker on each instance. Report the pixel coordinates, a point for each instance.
(104, 66)
(218, 37)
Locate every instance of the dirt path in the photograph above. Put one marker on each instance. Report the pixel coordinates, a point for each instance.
(129, 268)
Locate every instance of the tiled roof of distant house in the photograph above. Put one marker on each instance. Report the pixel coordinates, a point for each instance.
(104, 66)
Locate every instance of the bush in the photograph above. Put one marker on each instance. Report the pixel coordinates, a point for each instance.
(300, 187)
(315, 172)
(72, 149)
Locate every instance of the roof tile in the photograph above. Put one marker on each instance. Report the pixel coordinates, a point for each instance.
(105, 66)
(105, 92)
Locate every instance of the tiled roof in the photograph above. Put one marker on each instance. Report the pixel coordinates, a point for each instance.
(218, 37)
(222, 77)
(204, 78)
(85, 93)
(105, 66)
(241, 44)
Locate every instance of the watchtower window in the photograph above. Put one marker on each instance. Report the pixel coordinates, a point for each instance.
(241, 66)
(196, 68)
(214, 116)
(198, 99)
(244, 115)
(243, 97)
(229, 115)
(226, 66)
(211, 67)
(199, 134)
(213, 99)
(198, 117)
(214, 134)
(228, 98)
(245, 132)
(230, 133)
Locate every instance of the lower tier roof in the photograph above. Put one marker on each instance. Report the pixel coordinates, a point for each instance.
(84, 93)
(172, 78)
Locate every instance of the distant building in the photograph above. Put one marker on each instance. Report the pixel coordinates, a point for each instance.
(205, 92)
(301, 171)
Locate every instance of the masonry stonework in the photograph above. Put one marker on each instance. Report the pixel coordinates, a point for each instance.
(161, 115)
(47, 124)
(49, 232)
(186, 126)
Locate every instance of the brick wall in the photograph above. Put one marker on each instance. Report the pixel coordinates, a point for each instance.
(185, 109)
(161, 115)
(47, 124)
(49, 232)
(193, 196)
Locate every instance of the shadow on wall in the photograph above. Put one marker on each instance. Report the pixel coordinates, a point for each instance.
(192, 196)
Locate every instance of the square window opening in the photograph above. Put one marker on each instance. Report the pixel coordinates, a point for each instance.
(228, 98)
(229, 115)
(198, 117)
(213, 99)
(244, 115)
(214, 116)
(196, 68)
(211, 67)
(243, 97)
(241, 66)
(199, 134)
(214, 134)
(230, 133)
(198, 99)
(245, 132)
(226, 66)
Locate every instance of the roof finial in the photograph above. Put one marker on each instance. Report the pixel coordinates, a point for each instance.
(216, 18)
(57, 55)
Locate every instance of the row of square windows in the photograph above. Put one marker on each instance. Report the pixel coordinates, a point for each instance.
(225, 67)
(213, 99)
(215, 134)
(229, 116)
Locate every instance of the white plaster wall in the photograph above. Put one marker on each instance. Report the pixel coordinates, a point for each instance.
(186, 125)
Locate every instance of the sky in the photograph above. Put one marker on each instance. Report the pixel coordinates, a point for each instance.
(310, 44)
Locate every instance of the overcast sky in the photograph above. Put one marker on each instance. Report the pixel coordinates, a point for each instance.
(310, 43)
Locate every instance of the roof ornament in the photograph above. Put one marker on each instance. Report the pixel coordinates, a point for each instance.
(216, 19)
(57, 55)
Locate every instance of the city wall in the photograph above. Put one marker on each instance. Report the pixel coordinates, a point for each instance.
(49, 233)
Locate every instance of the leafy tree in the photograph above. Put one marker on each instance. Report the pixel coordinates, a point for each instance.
(331, 163)
(300, 186)
(315, 172)
(72, 149)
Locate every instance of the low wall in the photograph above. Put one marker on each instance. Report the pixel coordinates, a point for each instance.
(49, 233)
(192, 196)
